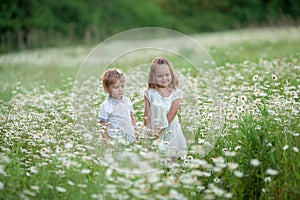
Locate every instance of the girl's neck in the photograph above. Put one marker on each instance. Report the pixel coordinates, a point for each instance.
(164, 91)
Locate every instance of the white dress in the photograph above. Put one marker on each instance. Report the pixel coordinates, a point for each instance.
(159, 107)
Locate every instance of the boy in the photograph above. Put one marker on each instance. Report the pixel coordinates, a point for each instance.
(116, 112)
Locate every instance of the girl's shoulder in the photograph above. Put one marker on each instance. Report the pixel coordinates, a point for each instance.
(177, 94)
(148, 92)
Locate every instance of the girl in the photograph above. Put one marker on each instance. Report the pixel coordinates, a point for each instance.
(162, 101)
(116, 112)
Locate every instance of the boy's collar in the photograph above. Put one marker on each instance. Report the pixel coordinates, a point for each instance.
(113, 100)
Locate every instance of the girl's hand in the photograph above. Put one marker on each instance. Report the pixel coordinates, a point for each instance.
(157, 133)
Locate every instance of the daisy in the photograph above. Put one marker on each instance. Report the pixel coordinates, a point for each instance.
(274, 77)
(272, 172)
(255, 77)
(255, 162)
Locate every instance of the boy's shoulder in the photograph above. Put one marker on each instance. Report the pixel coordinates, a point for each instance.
(105, 104)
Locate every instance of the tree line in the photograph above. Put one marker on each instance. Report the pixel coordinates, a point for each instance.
(38, 23)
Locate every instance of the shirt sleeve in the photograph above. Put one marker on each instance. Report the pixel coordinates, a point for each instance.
(177, 95)
(103, 113)
(148, 95)
(131, 110)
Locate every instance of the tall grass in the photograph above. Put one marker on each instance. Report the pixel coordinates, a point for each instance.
(44, 154)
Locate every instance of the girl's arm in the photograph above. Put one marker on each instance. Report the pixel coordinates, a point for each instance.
(173, 110)
(147, 120)
(133, 122)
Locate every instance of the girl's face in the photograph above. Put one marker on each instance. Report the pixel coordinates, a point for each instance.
(116, 90)
(162, 76)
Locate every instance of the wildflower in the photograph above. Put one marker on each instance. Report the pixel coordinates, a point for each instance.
(209, 196)
(295, 134)
(217, 180)
(257, 101)
(173, 194)
(217, 169)
(61, 189)
(190, 158)
(219, 159)
(60, 172)
(240, 109)
(35, 187)
(255, 77)
(97, 196)
(230, 153)
(82, 185)
(295, 149)
(28, 192)
(216, 190)
(272, 172)
(274, 77)
(255, 162)
(238, 174)
(285, 147)
(33, 170)
(201, 141)
(228, 195)
(199, 188)
(237, 148)
(243, 98)
(154, 177)
(69, 145)
(263, 94)
(186, 161)
(71, 183)
(258, 127)
(4, 159)
(267, 179)
(2, 171)
(85, 171)
(233, 166)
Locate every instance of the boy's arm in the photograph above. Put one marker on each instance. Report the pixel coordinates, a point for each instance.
(147, 119)
(133, 122)
(104, 126)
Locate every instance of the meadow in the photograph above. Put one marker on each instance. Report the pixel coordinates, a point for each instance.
(247, 148)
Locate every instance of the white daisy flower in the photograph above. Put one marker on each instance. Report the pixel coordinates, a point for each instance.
(255, 162)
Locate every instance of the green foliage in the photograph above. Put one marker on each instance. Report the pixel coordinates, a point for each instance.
(34, 23)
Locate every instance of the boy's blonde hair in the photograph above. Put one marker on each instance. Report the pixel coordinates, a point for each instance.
(111, 76)
(156, 62)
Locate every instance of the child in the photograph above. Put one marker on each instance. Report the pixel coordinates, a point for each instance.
(116, 112)
(162, 101)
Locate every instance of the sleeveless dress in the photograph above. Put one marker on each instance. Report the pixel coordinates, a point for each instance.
(172, 134)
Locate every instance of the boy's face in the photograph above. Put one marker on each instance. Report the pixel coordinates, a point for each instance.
(116, 90)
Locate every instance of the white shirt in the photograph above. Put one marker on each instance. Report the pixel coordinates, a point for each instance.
(118, 115)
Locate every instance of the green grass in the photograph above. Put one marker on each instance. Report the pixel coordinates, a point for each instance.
(50, 147)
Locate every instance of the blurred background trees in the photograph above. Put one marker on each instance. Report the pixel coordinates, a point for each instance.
(39, 23)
